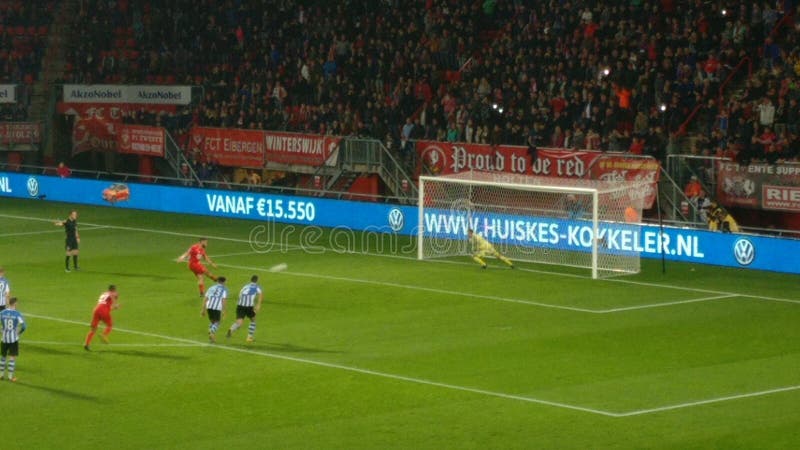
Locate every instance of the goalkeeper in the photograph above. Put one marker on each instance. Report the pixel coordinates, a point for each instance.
(481, 248)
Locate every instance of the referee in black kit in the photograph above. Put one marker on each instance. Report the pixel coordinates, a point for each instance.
(73, 238)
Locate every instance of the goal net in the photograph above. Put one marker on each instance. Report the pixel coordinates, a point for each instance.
(580, 223)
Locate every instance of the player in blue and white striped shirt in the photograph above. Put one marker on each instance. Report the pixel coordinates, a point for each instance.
(214, 305)
(5, 289)
(250, 298)
(11, 326)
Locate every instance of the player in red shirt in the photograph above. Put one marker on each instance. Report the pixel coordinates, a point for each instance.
(196, 254)
(102, 312)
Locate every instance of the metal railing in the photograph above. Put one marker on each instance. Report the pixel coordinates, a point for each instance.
(683, 128)
(370, 155)
(177, 160)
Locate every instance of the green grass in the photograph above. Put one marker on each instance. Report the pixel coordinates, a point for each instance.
(365, 347)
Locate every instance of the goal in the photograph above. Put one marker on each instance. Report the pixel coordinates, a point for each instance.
(589, 224)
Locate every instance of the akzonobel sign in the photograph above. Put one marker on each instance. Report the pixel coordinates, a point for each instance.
(137, 94)
(8, 93)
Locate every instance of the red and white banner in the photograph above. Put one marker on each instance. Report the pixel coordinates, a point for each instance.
(20, 133)
(252, 148)
(93, 133)
(449, 158)
(140, 140)
(306, 149)
(108, 110)
(96, 124)
(781, 198)
(230, 146)
(759, 185)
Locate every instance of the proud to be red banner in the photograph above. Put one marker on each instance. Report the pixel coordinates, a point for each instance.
(140, 140)
(449, 158)
(230, 146)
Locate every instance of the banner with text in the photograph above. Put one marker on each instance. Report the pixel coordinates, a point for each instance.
(450, 158)
(137, 94)
(305, 149)
(20, 133)
(140, 140)
(95, 124)
(8, 93)
(342, 217)
(230, 146)
(759, 185)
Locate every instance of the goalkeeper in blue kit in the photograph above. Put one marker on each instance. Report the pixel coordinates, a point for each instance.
(482, 248)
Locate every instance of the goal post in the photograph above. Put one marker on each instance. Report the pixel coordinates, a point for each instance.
(589, 224)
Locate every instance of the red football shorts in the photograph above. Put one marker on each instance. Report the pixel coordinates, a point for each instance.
(101, 315)
(197, 269)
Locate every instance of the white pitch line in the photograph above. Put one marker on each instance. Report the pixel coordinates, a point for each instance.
(359, 370)
(410, 258)
(78, 344)
(661, 305)
(422, 381)
(281, 250)
(416, 288)
(486, 297)
(709, 401)
(29, 233)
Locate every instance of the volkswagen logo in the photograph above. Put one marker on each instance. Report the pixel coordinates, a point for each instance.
(744, 251)
(33, 187)
(396, 219)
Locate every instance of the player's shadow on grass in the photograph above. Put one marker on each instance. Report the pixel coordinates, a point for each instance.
(35, 348)
(295, 305)
(150, 275)
(290, 348)
(145, 354)
(61, 392)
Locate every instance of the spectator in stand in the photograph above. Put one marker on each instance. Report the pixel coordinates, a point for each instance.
(63, 171)
(365, 68)
(719, 219)
(693, 190)
(637, 146)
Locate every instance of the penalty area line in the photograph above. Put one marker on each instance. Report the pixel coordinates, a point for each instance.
(413, 287)
(485, 297)
(454, 387)
(391, 376)
(661, 305)
(77, 344)
(727, 398)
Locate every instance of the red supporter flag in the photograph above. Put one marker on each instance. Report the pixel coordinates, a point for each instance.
(140, 140)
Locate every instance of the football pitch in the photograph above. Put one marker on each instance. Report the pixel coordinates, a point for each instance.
(359, 345)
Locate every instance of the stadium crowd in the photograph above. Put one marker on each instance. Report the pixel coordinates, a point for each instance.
(585, 74)
(23, 30)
